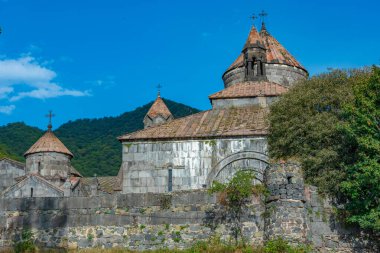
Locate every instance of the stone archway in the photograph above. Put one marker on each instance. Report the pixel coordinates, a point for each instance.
(247, 160)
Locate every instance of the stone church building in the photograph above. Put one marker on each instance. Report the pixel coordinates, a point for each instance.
(182, 156)
(175, 154)
(191, 152)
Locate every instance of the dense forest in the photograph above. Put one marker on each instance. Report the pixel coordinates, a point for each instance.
(92, 141)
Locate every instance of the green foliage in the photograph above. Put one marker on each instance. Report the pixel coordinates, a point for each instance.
(303, 125)
(215, 245)
(92, 141)
(361, 128)
(26, 243)
(281, 246)
(234, 197)
(237, 190)
(90, 236)
(331, 123)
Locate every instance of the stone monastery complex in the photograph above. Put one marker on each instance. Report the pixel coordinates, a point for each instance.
(159, 198)
(175, 154)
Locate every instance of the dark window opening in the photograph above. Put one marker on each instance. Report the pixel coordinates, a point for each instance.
(39, 167)
(31, 192)
(170, 180)
(289, 180)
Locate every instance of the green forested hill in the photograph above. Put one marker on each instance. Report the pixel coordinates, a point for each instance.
(92, 141)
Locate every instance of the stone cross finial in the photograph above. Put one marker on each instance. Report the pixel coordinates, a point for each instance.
(253, 17)
(50, 116)
(263, 14)
(159, 86)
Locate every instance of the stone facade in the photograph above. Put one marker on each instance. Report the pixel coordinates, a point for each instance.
(237, 102)
(164, 166)
(277, 73)
(32, 186)
(50, 165)
(9, 171)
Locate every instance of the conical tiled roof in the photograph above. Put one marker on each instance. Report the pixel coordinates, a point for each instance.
(253, 39)
(276, 53)
(48, 143)
(159, 108)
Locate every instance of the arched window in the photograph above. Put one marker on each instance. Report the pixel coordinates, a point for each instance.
(31, 192)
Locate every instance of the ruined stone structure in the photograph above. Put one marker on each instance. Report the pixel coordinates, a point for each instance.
(159, 197)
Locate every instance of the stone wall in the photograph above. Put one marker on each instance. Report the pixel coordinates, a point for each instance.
(298, 213)
(48, 164)
(190, 164)
(260, 101)
(329, 234)
(277, 73)
(284, 75)
(134, 221)
(9, 171)
(286, 212)
(32, 186)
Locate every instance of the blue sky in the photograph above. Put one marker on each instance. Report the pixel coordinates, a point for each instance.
(89, 59)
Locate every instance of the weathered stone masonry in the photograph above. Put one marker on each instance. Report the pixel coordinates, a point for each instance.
(193, 164)
(151, 221)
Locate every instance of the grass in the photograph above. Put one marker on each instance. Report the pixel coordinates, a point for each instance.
(274, 246)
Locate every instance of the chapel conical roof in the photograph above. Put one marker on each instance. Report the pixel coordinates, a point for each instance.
(276, 53)
(254, 39)
(159, 108)
(48, 143)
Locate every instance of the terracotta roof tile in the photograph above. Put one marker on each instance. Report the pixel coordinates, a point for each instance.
(159, 108)
(107, 184)
(250, 89)
(231, 122)
(276, 53)
(253, 38)
(48, 143)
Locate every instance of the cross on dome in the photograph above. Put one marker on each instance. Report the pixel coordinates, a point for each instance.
(50, 116)
(159, 86)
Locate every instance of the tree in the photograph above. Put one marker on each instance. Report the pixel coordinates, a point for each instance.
(233, 196)
(331, 124)
(361, 129)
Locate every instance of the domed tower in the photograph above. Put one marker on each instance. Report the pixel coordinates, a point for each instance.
(262, 52)
(158, 113)
(49, 158)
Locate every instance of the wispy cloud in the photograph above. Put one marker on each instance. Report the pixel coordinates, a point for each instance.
(37, 77)
(8, 109)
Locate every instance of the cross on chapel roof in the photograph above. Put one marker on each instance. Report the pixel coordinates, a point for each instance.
(50, 116)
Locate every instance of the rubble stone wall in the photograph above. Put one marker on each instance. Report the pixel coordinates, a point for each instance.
(144, 221)
(134, 221)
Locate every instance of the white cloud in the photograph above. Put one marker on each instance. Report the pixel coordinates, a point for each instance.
(52, 92)
(38, 78)
(8, 109)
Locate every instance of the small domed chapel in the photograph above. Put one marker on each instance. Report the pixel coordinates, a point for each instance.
(171, 154)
